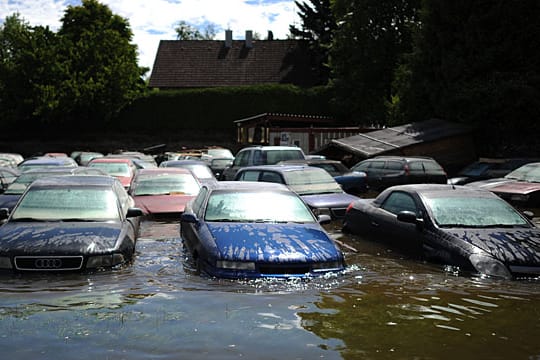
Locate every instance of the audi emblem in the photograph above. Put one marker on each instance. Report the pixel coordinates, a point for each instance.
(48, 263)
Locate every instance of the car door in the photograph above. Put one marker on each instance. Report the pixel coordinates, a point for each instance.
(405, 236)
(241, 160)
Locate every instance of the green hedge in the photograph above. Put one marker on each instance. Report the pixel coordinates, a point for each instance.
(217, 108)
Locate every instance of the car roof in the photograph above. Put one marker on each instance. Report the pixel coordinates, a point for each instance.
(246, 185)
(282, 168)
(430, 190)
(163, 170)
(46, 160)
(272, 147)
(111, 160)
(90, 180)
(397, 157)
(186, 162)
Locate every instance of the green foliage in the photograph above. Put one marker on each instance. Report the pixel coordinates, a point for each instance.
(318, 26)
(477, 63)
(215, 109)
(86, 72)
(185, 31)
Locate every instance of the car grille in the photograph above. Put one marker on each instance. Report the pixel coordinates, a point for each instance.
(277, 269)
(48, 263)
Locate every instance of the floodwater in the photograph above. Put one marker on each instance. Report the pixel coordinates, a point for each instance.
(382, 307)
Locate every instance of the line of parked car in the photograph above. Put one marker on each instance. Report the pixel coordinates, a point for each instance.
(261, 213)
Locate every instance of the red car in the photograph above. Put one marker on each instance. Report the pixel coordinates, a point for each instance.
(163, 191)
(520, 187)
(120, 168)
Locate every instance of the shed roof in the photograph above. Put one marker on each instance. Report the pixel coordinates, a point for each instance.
(210, 63)
(385, 140)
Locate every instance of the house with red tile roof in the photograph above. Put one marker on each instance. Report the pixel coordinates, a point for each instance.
(215, 63)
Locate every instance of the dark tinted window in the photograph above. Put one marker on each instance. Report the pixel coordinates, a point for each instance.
(242, 158)
(269, 176)
(394, 165)
(399, 201)
(249, 175)
(416, 166)
(376, 165)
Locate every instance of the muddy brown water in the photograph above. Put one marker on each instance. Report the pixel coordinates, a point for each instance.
(382, 307)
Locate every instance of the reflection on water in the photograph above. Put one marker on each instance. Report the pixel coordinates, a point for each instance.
(382, 306)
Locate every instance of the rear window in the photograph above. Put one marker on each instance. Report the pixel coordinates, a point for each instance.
(275, 156)
(432, 166)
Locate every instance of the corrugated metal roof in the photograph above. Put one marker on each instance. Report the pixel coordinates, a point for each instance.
(381, 141)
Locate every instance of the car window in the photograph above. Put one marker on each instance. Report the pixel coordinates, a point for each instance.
(242, 158)
(376, 165)
(275, 156)
(432, 166)
(249, 175)
(399, 201)
(199, 200)
(416, 166)
(394, 165)
(330, 168)
(270, 176)
(361, 166)
(258, 157)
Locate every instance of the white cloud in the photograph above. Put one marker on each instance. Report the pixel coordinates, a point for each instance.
(155, 20)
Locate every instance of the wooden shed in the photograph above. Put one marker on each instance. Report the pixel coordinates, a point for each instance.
(449, 143)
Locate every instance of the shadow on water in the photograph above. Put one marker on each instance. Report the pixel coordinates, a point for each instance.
(382, 307)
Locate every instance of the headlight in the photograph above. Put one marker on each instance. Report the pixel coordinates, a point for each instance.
(487, 265)
(5, 262)
(104, 261)
(235, 265)
(327, 266)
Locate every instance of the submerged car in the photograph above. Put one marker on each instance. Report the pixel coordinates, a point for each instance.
(163, 191)
(520, 187)
(69, 223)
(352, 182)
(472, 229)
(315, 186)
(251, 230)
(199, 168)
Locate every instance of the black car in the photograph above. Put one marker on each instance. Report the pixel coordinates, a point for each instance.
(469, 228)
(69, 223)
(385, 171)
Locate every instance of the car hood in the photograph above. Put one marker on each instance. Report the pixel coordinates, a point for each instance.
(266, 242)
(156, 204)
(489, 183)
(333, 200)
(512, 246)
(58, 237)
(516, 187)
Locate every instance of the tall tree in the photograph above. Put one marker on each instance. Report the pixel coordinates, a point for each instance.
(317, 28)
(28, 73)
(478, 63)
(370, 40)
(103, 75)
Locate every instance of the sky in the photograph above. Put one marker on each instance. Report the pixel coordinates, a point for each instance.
(155, 20)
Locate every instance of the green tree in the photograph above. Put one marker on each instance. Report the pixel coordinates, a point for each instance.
(318, 26)
(103, 75)
(28, 73)
(478, 63)
(368, 46)
(185, 31)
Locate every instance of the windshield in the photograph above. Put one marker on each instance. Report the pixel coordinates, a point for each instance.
(529, 172)
(306, 182)
(67, 203)
(113, 168)
(257, 207)
(166, 184)
(473, 212)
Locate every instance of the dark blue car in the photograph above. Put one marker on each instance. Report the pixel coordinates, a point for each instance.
(315, 186)
(236, 229)
(69, 223)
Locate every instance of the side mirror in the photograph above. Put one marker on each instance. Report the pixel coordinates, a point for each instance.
(324, 219)
(134, 212)
(528, 214)
(4, 213)
(189, 218)
(410, 217)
